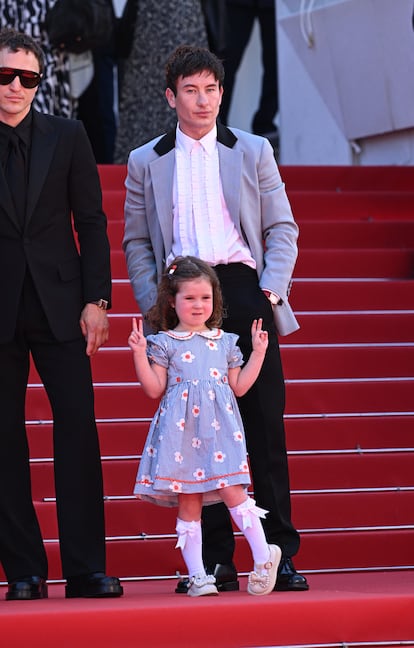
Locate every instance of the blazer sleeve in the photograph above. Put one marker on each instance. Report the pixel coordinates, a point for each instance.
(89, 220)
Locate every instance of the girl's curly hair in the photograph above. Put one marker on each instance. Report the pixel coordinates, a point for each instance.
(162, 315)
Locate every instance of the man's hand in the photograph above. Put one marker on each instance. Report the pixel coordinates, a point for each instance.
(95, 327)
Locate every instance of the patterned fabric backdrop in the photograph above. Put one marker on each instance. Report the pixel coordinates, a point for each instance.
(53, 95)
(159, 28)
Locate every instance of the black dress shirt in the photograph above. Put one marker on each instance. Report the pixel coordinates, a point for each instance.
(15, 155)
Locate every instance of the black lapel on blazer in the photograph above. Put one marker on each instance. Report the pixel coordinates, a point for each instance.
(44, 139)
(167, 142)
(225, 136)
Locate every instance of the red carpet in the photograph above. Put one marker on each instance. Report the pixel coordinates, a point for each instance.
(338, 609)
(349, 422)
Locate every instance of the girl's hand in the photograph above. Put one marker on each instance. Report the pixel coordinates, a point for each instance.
(137, 340)
(259, 337)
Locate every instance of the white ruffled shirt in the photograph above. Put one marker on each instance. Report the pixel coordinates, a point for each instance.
(202, 225)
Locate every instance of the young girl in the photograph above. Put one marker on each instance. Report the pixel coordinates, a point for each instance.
(195, 451)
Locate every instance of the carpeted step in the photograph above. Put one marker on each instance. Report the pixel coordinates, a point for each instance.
(352, 205)
(348, 361)
(346, 178)
(351, 294)
(346, 263)
(369, 609)
(329, 233)
(328, 327)
(342, 234)
(346, 550)
(306, 397)
(362, 431)
(370, 327)
(362, 509)
(307, 472)
(115, 364)
(303, 433)
(314, 295)
(323, 205)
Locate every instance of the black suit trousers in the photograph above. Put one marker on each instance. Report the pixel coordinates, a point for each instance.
(65, 371)
(262, 410)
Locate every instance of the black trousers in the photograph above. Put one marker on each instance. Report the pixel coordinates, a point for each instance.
(65, 371)
(239, 25)
(262, 410)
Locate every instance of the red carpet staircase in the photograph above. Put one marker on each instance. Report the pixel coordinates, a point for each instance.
(349, 421)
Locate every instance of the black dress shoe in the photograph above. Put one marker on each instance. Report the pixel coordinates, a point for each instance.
(288, 579)
(95, 585)
(27, 588)
(225, 575)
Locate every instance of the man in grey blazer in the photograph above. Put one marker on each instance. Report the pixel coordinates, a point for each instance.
(55, 289)
(246, 231)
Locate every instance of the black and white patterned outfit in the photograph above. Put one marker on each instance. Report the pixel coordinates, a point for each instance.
(53, 95)
(159, 28)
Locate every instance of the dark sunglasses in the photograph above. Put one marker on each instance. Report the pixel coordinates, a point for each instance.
(27, 78)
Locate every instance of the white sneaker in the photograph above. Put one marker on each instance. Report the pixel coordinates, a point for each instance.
(202, 585)
(263, 579)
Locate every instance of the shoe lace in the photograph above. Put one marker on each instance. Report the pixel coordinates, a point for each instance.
(201, 579)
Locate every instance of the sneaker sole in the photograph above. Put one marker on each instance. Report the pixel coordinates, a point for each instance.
(203, 591)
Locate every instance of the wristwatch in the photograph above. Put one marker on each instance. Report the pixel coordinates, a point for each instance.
(274, 299)
(101, 303)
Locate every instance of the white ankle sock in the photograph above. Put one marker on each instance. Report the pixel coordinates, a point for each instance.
(246, 516)
(190, 543)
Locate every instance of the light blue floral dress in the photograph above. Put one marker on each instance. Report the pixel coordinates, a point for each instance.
(196, 441)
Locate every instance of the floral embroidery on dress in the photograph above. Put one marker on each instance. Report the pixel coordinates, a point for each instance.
(187, 356)
(176, 487)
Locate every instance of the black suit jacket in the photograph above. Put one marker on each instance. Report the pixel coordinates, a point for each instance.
(63, 197)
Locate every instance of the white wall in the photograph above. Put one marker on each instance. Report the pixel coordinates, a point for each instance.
(357, 77)
(246, 92)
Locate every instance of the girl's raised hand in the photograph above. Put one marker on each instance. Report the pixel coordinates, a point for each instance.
(259, 337)
(137, 340)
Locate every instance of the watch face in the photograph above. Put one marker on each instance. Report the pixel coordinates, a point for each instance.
(101, 303)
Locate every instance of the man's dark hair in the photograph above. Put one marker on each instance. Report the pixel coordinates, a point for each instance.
(14, 41)
(187, 60)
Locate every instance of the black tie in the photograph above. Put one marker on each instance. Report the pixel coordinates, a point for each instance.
(16, 175)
